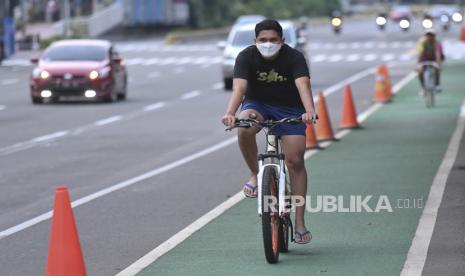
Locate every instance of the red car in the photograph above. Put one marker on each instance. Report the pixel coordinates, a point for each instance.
(89, 69)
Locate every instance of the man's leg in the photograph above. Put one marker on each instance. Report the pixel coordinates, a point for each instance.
(294, 150)
(248, 146)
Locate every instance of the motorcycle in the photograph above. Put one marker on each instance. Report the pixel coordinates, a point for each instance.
(445, 22)
(427, 22)
(336, 22)
(381, 21)
(404, 24)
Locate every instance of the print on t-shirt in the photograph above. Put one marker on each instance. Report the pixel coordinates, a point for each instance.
(271, 76)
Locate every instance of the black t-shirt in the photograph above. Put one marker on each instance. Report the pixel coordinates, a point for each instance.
(272, 82)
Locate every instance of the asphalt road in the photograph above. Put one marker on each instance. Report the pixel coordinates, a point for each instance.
(173, 110)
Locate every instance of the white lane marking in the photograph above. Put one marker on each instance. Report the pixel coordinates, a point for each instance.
(16, 62)
(318, 58)
(153, 75)
(2, 107)
(462, 111)
(215, 60)
(352, 57)
(179, 237)
(121, 185)
(190, 95)
(418, 251)
(182, 235)
(355, 45)
(151, 61)
(108, 120)
(52, 136)
(134, 61)
(368, 45)
(395, 44)
(167, 61)
(335, 58)
(370, 57)
(9, 81)
(341, 45)
(200, 60)
(184, 60)
(406, 57)
(154, 106)
(217, 86)
(387, 57)
(328, 46)
(382, 45)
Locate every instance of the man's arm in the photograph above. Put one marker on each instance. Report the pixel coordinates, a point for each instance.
(239, 88)
(303, 85)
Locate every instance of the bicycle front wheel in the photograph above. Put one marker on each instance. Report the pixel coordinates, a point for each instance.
(270, 215)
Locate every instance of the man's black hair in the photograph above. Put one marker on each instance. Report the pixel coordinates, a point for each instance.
(269, 25)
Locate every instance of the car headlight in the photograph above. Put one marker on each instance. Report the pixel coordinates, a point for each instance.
(39, 73)
(102, 73)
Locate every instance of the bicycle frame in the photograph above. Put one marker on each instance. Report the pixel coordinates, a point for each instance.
(272, 157)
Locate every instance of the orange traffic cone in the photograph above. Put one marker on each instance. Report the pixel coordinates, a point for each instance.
(385, 72)
(324, 130)
(382, 86)
(349, 114)
(64, 255)
(311, 142)
(462, 34)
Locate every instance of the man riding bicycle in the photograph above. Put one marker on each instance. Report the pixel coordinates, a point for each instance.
(430, 49)
(272, 81)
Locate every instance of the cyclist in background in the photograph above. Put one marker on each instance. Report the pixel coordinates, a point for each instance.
(430, 49)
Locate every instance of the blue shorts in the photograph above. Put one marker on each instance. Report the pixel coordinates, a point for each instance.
(277, 113)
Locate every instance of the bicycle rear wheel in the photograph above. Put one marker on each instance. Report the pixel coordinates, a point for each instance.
(270, 215)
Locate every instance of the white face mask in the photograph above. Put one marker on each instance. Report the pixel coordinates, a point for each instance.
(268, 49)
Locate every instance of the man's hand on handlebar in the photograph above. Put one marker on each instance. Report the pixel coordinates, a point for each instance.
(228, 120)
(309, 117)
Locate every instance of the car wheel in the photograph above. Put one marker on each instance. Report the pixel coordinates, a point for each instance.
(37, 100)
(113, 97)
(228, 83)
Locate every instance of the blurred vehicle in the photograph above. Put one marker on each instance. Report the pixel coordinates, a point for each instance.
(81, 69)
(400, 12)
(437, 11)
(249, 19)
(336, 21)
(155, 13)
(381, 21)
(427, 22)
(243, 36)
(404, 24)
(445, 22)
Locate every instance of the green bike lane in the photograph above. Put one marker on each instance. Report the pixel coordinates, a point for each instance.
(393, 159)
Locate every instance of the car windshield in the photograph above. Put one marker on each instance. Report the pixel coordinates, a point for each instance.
(75, 53)
(246, 38)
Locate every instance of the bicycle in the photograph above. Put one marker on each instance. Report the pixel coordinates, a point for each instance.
(274, 205)
(429, 82)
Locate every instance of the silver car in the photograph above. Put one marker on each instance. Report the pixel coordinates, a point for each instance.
(240, 38)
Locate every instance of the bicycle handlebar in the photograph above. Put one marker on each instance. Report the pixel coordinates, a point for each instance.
(247, 123)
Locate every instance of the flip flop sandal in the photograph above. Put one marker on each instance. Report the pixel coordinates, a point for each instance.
(300, 235)
(253, 188)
